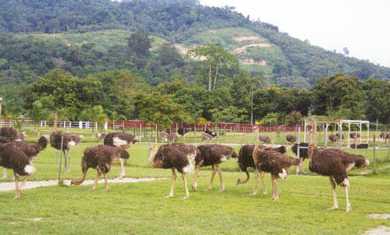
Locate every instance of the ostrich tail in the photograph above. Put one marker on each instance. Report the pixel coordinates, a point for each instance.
(239, 181)
(79, 181)
(84, 168)
(42, 142)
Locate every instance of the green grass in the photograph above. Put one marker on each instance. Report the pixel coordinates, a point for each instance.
(141, 208)
(102, 40)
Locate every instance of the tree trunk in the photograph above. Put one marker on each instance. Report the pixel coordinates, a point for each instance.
(216, 76)
(210, 78)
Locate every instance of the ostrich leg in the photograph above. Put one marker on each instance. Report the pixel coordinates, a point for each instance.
(334, 194)
(275, 193)
(60, 180)
(123, 168)
(173, 183)
(67, 160)
(221, 184)
(212, 178)
(106, 183)
(17, 189)
(5, 173)
(96, 180)
(347, 202)
(185, 186)
(195, 178)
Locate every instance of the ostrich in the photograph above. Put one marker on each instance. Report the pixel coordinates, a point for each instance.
(64, 142)
(245, 159)
(335, 164)
(169, 137)
(291, 139)
(7, 134)
(100, 158)
(333, 138)
(212, 155)
(265, 139)
(303, 154)
(122, 140)
(180, 157)
(11, 157)
(273, 162)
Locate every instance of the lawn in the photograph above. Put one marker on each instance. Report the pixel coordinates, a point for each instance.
(141, 208)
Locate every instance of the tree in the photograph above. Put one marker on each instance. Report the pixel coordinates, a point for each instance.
(216, 59)
(139, 45)
(340, 92)
(160, 109)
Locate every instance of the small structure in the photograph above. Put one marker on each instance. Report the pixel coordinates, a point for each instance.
(361, 135)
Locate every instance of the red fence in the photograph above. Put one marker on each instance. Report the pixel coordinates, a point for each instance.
(231, 127)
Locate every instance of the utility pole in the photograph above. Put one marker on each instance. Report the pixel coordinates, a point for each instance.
(252, 105)
(1, 105)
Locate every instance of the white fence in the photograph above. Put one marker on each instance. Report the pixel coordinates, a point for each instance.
(43, 124)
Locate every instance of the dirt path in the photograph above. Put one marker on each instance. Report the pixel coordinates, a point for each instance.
(10, 186)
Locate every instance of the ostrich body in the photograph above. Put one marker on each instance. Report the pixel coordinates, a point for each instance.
(273, 162)
(245, 159)
(100, 158)
(291, 139)
(122, 140)
(265, 139)
(212, 155)
(18, 157)
(335, 164)
(64, 142)
(177, 157)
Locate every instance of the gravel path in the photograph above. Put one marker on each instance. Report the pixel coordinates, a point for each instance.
(10, 186)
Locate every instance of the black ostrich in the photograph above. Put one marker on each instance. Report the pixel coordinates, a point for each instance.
(18, 156)
(335, 164)
(267, 160)
(100, 158)
(64, 142)
(177, 157)
(7, 134)
(212, 155)
(122, 140)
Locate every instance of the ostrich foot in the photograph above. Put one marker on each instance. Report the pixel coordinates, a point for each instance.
(169, 196)
(275, 198)
(194, 188)
(349, 208)
(222, 189)
(186, 197)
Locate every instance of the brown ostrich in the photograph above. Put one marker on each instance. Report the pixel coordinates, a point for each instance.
(64, 142)
(333, 138)
(122, 140)
(265, 139)
(291, 139)
(11, 157)
(100, 158)
(275, 163)
(177, 157)
(245, 159)
(335, 164)
(8, 134)
(212, 155)
(303, 154)
(169, 137)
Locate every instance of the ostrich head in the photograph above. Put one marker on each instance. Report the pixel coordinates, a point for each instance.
(311, 149)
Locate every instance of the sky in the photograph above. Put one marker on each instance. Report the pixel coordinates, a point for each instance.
(363, 26)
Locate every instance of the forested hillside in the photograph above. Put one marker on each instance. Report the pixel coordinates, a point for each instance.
(143, 58)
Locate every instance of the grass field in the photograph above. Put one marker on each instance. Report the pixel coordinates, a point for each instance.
(141, 208)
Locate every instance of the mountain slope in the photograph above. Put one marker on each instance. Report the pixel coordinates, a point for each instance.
(261, 48)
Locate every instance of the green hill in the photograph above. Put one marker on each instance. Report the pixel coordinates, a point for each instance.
(91, 35)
